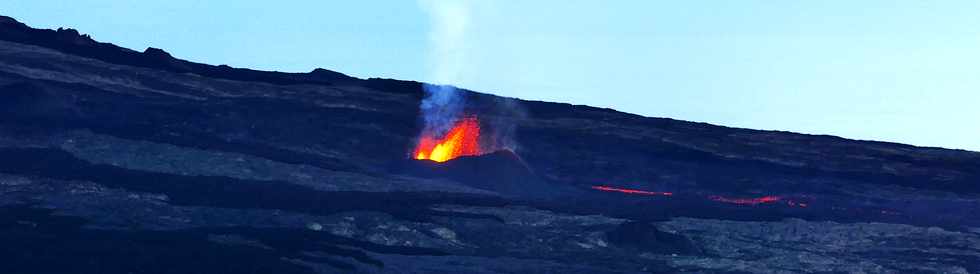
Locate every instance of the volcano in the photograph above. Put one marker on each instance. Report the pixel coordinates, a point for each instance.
(121, 161)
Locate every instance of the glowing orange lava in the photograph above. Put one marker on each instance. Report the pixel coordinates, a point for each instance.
(631, 191)
(461, 140)
(747, 201)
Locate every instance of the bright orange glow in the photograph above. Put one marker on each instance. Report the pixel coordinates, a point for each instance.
(461, 140)
(631, 191)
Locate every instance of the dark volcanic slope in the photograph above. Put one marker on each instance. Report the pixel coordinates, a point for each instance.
(117, 161)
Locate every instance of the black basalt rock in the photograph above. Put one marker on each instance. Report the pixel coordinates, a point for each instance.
(647, 238)
(500, 171)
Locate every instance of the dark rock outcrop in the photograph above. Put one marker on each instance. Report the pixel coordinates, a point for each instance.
(500, 171)
(648, 238)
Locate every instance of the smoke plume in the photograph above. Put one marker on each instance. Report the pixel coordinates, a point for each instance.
(443, 104)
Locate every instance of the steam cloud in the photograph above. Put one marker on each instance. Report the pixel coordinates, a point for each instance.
(443, 104)
(440, 108)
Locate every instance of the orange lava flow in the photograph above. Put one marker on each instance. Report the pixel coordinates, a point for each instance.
(747, 201)
(631, 191)
(461, 140)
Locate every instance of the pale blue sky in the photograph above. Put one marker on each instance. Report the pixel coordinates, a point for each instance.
(902, 71)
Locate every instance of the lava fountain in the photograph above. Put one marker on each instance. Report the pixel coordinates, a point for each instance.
(463, 139)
